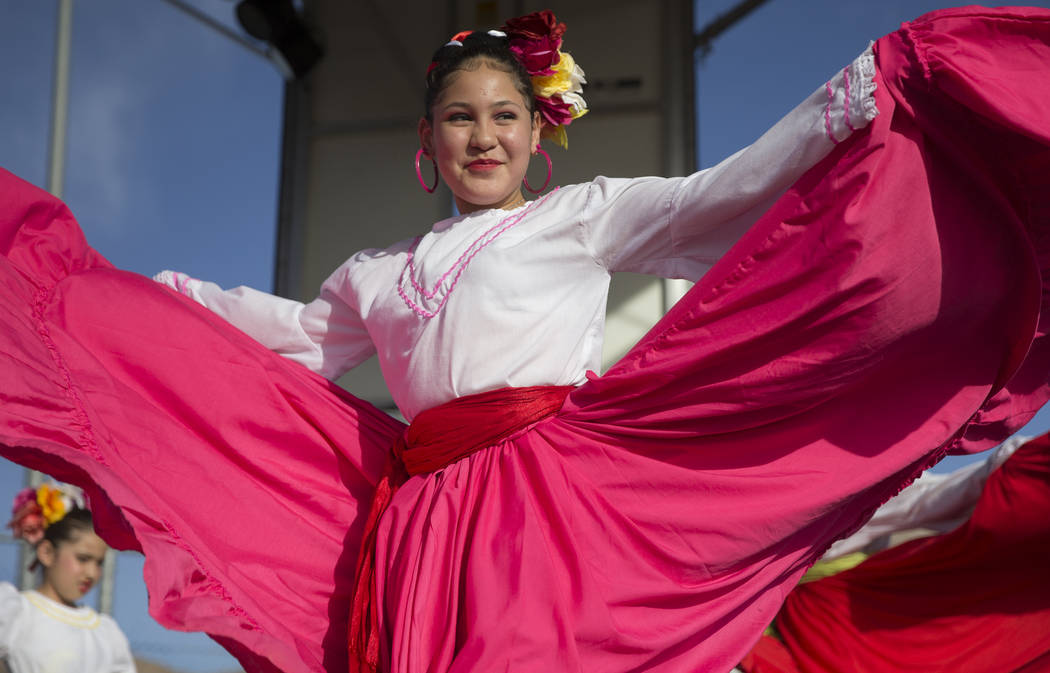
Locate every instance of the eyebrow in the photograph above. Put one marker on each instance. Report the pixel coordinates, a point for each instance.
(461, 104)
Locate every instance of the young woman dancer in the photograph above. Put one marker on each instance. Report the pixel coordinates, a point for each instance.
(869, 297)
(46, 630)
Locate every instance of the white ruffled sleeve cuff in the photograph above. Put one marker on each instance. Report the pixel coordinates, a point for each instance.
(851, 98)
(181, 283)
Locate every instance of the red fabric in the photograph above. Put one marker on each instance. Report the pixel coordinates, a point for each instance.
(436, 438)
(976, 600)
(769, 655)
(890, 306)
(440, 436)
(363, 633)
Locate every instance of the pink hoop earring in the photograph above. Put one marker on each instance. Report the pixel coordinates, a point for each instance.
(419, 174)
(550, 172)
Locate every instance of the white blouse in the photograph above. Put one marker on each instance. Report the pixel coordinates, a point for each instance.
(39, 635)
(517, 298)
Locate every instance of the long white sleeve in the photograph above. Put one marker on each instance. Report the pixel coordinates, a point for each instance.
(679, 227)
(326, 335)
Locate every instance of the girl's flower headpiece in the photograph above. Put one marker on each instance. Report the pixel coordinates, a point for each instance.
(557, 81)
(34, 509)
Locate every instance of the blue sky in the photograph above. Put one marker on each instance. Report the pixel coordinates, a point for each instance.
(174, 148)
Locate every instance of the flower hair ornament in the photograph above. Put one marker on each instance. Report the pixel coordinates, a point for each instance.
(34, 509)
(557, 81)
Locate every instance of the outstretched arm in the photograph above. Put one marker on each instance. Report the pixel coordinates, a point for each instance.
(680, 227)
(326, 335)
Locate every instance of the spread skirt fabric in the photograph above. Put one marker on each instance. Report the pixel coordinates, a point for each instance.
(886, 310)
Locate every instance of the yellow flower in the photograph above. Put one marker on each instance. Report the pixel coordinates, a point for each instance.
(52, 505)
(556, 134)
(567, 77)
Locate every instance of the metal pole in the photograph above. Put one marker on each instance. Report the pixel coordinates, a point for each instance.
(265, 51)
(704, 40)
(56, 159)
(107, 582)
(208, 21)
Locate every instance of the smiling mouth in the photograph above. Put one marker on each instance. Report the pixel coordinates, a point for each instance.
(482, 164)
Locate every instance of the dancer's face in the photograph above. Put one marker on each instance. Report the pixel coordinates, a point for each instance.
(481, 137)
(72, 567)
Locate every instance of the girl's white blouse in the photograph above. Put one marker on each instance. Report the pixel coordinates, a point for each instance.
(39, 635)
(517, 298)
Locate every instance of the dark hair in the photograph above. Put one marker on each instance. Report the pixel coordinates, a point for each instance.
(478, 47)
(76, 520)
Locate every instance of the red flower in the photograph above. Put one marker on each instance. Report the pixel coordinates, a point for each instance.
(535, 39)
(539, 56)
(23, 498)
(535, 26)
(554, 111)
(28, 522)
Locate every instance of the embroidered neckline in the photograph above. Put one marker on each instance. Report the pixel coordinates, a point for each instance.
(83, 617)
(457, 268)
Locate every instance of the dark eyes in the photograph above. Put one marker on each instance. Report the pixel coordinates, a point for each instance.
(499, 116)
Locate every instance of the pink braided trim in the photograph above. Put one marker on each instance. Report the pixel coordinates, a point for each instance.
(845, 106)
(458, 266)
(502, 226)
(827, 113)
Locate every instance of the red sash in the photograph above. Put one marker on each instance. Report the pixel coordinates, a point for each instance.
(436, 438)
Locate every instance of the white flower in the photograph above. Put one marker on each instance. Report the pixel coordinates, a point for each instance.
(579, 106)
(576, 78)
